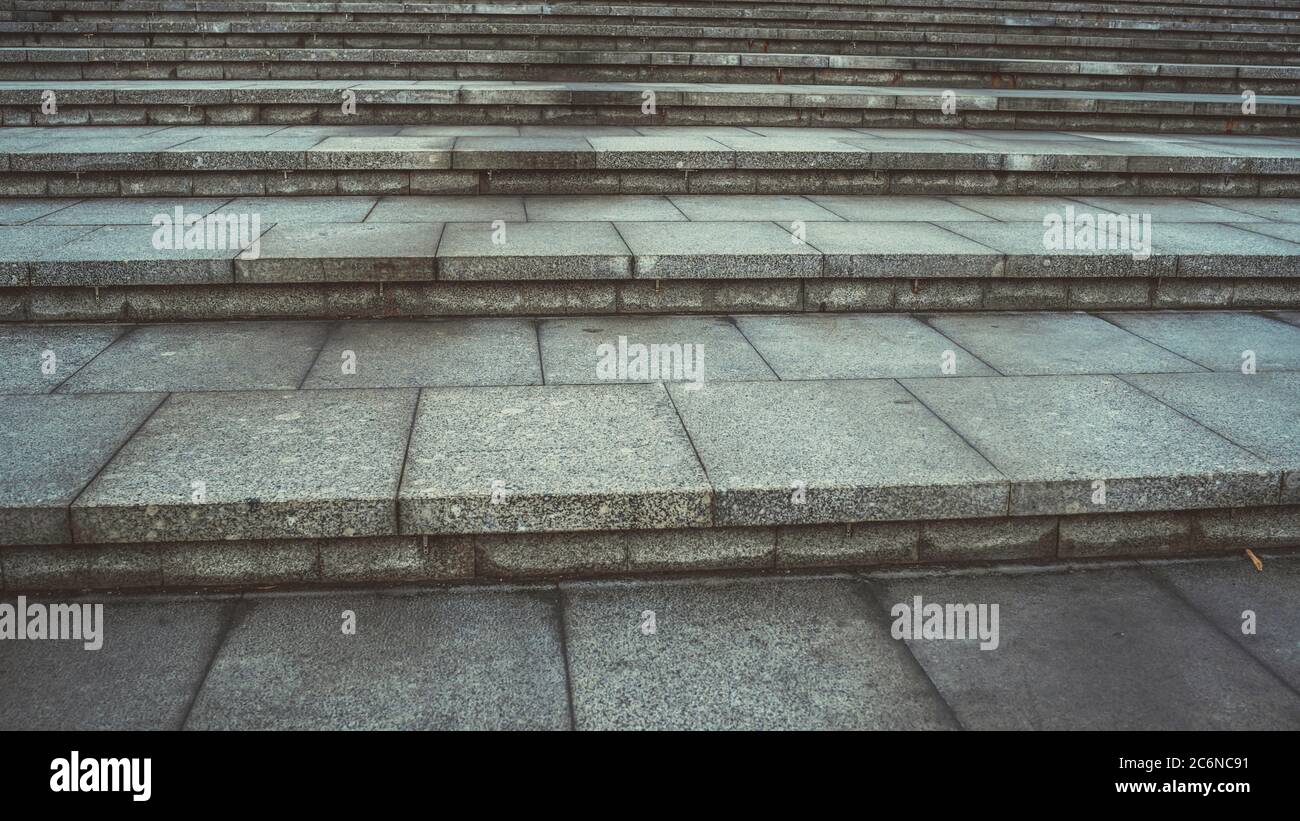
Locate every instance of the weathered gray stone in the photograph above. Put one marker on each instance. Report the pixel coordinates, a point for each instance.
(269, 465)
(532, 250)
(1125, 534)
(864, 543)
(1056, 437)
(396, 559)
(554, 458)
(900, 249)
(1031, 537)
(438, 660)
(707, 250)
(1248, 528)
(582, 208)
(341, 251)
(37, 358)
(1218, 340)
(842, 451)
(239, 563)
(793, 654)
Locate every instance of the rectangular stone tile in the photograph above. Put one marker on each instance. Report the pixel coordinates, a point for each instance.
(1260, 412)
(36, 358)
(1214, 250)
(302, 209)
(784, 209)
(555, 458)
(855, 346)
(1288, 231)
(50, 448)
(491, 153)
(552, 555)
(254, 465)
(900, 249)
(1034, 251)
(1025, 344)
(142, 255)
(208, 356)
(602, 208)
(533, 250)
(740, 654)
(66, 567)
(396, 559)
(19, 245)
(979, 540)
(1171, 209)
(240, 563)
(660, 152)
(1292, 317)
(1089, 650)
(863, 543)
(832, 451)
(154, 657)
(439, 659)
(129, 210)
(342, 251)
(716, 250)
(448, 209)
(1019, 209)
(383, 153)
(1109, 535)
(1281, 210)
(1218, 340)
(896, 209)
(393, 353)
(591, 350)
(1222, 592)
(1056, 437)
(19, 211)
(1257, 528)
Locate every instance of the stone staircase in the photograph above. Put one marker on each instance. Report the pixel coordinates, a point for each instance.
(333, 293)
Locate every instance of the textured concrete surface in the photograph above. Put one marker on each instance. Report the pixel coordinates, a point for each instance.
(777, 654)
(1114, 647)
(1098, 649)
(455, 659)
(1055, 437)
(50, 448)
(207, 356)
(811, 452)
(573, 457)
(271, 464)
(399, 354)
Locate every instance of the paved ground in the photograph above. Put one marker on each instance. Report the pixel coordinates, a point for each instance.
(1114, 646)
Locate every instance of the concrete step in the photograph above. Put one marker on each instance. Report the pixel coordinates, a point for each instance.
(322, 160)
(139, 45)
(325, 257)
(435, 102)
(499, 449)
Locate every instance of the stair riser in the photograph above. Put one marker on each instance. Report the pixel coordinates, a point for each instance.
(1263, 122)
(332, 300)
(413, 559)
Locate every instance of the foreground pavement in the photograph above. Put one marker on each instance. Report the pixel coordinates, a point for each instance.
(1205, 644)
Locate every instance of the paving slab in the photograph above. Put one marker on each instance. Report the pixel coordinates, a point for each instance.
(532, 250)
(140, 255)
(1056, 437)
(50, 448)
(740, 655)
(598, 208)
(342, 251)
(1223, 590)
(448, 209)
(708, 250)
(301, 209)
(832, 451)
(254, 465)
(1091, 650)
(1171, 209)
(382, 153)
(446, 659)
(784, 209)
(153, 659)
(130, 211)
(206, 356)
(21, 244)
(405, 354)
(848, 346)
(900, 249)
(36, 358)
(1218, 340)
(1260, 412)
(591, 350)
(1281, 210)
(896, 208)
(19, 211)
(1016, 209)
(1027, 344)
(555, 458)
(1214, 250)
(1031, 250)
